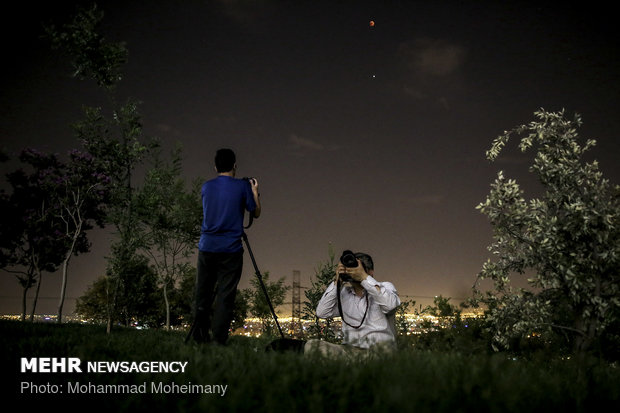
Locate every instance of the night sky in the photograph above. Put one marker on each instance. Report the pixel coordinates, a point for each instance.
(369, 138)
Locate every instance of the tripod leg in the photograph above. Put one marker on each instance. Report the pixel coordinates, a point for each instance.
(260, 279)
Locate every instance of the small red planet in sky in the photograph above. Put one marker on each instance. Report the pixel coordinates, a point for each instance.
(371, 23)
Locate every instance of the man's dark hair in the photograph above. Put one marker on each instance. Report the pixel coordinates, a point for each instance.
(366, 261)
(225, 160)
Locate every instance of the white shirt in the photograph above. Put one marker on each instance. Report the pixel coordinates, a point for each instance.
(379, 323)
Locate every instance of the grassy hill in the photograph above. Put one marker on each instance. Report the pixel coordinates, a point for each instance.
(259, 381)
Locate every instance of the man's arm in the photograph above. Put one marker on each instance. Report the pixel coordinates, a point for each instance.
(383, 293)
(328, 304)
(254, 185)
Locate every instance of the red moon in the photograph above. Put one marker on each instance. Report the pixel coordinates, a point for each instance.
(372, 23)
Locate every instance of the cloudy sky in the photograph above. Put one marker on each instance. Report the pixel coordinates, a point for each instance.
(368, 138)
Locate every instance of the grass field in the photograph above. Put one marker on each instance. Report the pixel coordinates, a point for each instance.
(259, 381)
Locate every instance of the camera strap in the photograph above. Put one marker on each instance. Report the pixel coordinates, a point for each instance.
(339, 288)
(251, 215)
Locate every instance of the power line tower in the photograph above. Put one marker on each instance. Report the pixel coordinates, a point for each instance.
(296, 304)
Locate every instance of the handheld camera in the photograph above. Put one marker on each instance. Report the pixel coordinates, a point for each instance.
(349, 260)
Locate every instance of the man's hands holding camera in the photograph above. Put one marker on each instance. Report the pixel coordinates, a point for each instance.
(346, 274)
(253, 184)
(350, 268)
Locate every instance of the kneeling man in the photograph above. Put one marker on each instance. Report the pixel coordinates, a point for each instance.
(367, 308)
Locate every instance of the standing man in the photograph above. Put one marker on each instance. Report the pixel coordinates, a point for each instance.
(220, 252)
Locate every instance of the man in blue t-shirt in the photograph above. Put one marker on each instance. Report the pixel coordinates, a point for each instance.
(220, 252)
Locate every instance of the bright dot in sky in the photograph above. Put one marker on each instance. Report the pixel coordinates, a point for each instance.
(372, 23)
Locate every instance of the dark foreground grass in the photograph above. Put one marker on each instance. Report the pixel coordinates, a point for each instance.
(258, 381)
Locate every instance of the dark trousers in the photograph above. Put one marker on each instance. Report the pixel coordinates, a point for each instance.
(216, 286)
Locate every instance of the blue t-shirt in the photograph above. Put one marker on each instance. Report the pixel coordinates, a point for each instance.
(224, 201)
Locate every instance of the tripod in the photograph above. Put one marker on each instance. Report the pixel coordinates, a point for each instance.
(281, 344)
(262, 284)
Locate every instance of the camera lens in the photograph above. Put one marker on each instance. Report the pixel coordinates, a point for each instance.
(348, 259)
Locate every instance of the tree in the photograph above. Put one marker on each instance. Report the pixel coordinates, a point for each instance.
(403, 325)
(183, 297)
(442, 308)
(30, 244)
(568, 240)
(92, 56)
(17, 256)
(138, 299)
(80, 193)
(93, 304)
(138, 303)
(114, 143)
(324, 274)
(259, 307)
(242, 309)
(447, 331)
(117, 149)
(67, 200)
(170, 216)
(445, 314)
